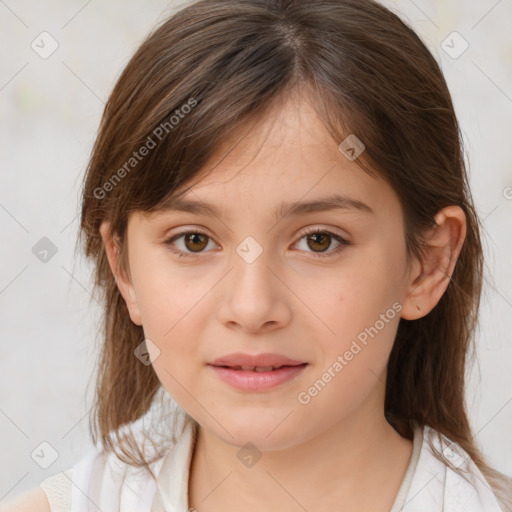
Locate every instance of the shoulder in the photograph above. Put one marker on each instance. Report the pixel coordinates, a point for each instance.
(446, 474)
(33, 500)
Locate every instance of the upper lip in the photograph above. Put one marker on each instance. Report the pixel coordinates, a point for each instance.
(263, 360)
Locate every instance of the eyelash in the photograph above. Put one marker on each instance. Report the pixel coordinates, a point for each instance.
(183, 254)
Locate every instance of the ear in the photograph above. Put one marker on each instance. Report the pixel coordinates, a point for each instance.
(123, 280)
(429, 278)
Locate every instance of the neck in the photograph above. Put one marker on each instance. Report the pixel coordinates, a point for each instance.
(333, 470)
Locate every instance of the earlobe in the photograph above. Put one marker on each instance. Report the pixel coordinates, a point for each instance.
(123, 280)
(429, 278)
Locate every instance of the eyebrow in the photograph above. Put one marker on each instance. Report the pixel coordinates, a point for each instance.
(322, 204)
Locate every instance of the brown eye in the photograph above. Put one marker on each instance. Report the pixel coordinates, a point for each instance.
(319, 242)
(195, 242)
(192, 243)
(188, 244)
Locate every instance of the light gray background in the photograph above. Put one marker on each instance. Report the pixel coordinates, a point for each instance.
(50, 113)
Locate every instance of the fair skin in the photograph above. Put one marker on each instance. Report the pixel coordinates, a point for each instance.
(303, 300)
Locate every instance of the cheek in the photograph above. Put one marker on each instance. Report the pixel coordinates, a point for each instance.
(165, 292)
(364, 309)
(173, 303)
(374, 279)
(354, 360)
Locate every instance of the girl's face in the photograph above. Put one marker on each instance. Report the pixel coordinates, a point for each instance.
(255, 280)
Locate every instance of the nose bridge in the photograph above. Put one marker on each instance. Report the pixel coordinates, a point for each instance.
(250, 250)
(252, 277)
(252, 296)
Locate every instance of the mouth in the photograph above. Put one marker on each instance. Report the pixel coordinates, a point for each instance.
(261, 362)
(260, 369)
(257, 378)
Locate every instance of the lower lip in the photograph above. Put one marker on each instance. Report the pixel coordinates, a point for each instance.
(257, 381)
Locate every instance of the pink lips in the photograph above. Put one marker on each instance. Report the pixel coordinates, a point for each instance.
(229, 369)
(267, 359)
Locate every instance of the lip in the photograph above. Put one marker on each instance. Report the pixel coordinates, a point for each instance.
(247, 380)
(266, 359)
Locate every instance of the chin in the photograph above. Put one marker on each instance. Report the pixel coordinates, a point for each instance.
(266, 433)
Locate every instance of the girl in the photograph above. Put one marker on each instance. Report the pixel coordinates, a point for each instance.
(278, 210)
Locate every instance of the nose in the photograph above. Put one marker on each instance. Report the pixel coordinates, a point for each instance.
(254, 296)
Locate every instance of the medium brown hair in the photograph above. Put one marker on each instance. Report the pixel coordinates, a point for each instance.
(215, 64)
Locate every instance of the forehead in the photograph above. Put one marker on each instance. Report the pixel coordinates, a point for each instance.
(285, 162)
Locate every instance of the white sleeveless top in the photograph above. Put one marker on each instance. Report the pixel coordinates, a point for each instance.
(101, 483)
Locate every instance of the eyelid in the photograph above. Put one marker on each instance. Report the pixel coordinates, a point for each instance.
(341, 239)
(308, 230)
(184, 230)
(313, 228)
(169, 241)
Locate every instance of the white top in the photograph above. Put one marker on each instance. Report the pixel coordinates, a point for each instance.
(101, 483)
